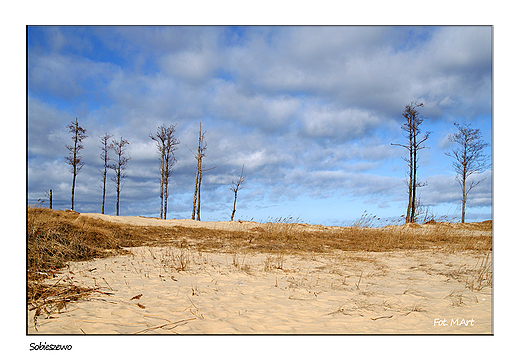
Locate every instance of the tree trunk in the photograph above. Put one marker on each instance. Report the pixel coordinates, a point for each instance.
(463, 200)
(50, 199)
(104, 189)
(74, 167)
(73, 186)
(198, 203)
(234, 206)
(118, 183)
(410, 186)
(196, 191)
(165, 194)
(464, 176)
(162, 184)
(414, 185)
(196, 209)
(117, 194)
(73, 177)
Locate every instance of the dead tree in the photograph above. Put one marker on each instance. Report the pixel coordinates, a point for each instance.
(119, 147)
(105, 146)
(201, 153)
(235, 186)
(198, 179)
(411, 133)
(468, 159)
(169, 162)
(166, 146)
(74, 159)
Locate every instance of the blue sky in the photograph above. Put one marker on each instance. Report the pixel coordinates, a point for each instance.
(310, 111)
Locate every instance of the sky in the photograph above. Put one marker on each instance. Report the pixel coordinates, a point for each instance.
(310, 111)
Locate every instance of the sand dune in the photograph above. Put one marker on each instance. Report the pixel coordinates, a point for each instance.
(151, 222)
(168, 290)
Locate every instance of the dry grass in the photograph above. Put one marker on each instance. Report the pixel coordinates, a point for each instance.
(482, 275)
(175, 258)
(55, 238)
(46, 299)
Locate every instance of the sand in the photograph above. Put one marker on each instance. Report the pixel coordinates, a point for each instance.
(151, 222)
(147, 292)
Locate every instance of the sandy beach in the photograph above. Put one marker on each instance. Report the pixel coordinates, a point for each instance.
(172, 289)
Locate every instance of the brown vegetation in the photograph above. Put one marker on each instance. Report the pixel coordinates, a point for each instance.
(55, 238)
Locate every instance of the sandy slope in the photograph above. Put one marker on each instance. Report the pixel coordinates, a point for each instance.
(151, 222)
(343, 292)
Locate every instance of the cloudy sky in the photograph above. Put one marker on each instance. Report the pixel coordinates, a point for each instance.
(310, 112)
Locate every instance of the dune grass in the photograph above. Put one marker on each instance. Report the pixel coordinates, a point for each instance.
(55, 238)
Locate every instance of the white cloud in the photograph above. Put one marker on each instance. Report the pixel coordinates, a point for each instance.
(67, 76)
(308, 110)
(445, 143)
(444, 189)
(190, 66)
(254, 110)
(327, 121)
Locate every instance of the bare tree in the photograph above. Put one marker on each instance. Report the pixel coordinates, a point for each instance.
(105, 146)
(468, 159)
(166, 145)
(201, 153)
(74, 159)
(235, 186)
(411, 133)
(160, 145)
(41, 201)
(119, 148)
(198, 179)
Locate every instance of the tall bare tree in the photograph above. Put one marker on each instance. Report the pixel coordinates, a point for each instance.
(105, 146)
(119, 147)
(198, 179)
(201, 153)
(169, 161)
(74, 159)
(411, 133)
(166, 146)
(235, 187)
(159, 138)
(469, 159)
